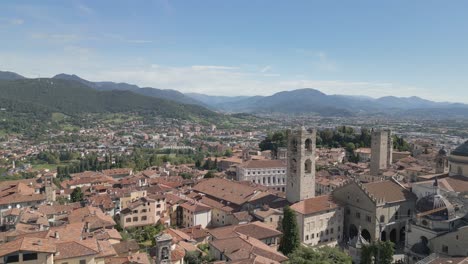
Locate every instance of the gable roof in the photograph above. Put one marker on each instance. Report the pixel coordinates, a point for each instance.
(315, 205)
(27, 244)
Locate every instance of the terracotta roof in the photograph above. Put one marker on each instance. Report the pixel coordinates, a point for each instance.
(195, 232)
(92, 215)
(27, 244)
(74, 249)
(243, 247)
(389, 191)
(195, 207)
(125, 247)
(226, 190)
(260, 164)
(257, 230)
(457, 183)
(315, 205)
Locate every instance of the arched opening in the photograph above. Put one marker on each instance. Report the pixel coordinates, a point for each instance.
(393, 235)
(402, 235)
(308, 144)
(382, 219)
(308, 166)
(165, 253)
(294, 145)
(396, 215)
(409, 213)
(353, 231)
(293, 165)
(383, 236)
(366, 235)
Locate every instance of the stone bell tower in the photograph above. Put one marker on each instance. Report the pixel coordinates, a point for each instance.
(163, 249)
(441, 162)
(301, 164)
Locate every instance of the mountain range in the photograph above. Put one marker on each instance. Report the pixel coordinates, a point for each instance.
(300, 101)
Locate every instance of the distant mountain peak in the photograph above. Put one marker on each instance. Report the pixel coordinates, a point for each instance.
(7, 75)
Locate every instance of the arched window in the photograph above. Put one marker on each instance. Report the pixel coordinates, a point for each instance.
(382, 219)
(308, 166)
(409, 213)
(396, 215)
(293, 165)
(308, 144)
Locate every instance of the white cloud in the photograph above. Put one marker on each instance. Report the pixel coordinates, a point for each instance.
(265, 69)
(84, 9)
(212, 67)
(56, 38)
(11, 21)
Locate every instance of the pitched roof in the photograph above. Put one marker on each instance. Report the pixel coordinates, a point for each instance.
(74, 249)
(27, 244)
(260, 164)
(243, 247)
(389, 191)
(257, 230)
(315, 205)
(227, 190)
(195, 207)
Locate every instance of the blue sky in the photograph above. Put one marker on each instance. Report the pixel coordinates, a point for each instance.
(249, 47)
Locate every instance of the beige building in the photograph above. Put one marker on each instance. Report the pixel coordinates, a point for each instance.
(143, 212)
(380, 208)
(319, 220)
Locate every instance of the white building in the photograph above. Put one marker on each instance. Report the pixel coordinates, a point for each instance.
(271, 173)
(194, 214)
(319, 220)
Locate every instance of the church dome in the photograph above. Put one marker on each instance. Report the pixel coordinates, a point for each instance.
(442, 152)
(435, 207)
(461, 150)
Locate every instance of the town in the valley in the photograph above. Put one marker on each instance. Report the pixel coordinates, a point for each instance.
(184, 192)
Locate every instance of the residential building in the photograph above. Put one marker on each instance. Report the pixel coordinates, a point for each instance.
(320, 221)
(142, 212)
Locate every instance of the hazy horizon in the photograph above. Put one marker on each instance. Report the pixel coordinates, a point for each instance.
(245, 48)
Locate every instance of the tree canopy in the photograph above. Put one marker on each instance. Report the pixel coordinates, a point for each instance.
(290, 240)
(323, 255)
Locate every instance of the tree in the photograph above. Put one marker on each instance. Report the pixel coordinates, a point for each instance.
(76, 195)
(290, 240)
(381, 251)
(193, 257)
(209, 175)
(323, 255)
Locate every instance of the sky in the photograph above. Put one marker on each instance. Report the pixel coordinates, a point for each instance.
(245, 47)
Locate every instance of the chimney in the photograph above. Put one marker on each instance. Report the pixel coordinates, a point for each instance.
(56, 235)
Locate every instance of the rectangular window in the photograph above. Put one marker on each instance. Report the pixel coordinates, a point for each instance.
(143, 211)
(158, 206)
(358, 215)
(12, 259)
(135, 219)
(143, 218)
(29, 256)
(368, 218)
(444, 248)
(128, 220)
(82, 261)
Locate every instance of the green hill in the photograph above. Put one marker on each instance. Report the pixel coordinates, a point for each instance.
(72, 98)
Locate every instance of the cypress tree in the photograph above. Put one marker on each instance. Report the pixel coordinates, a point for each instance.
(290, 240)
